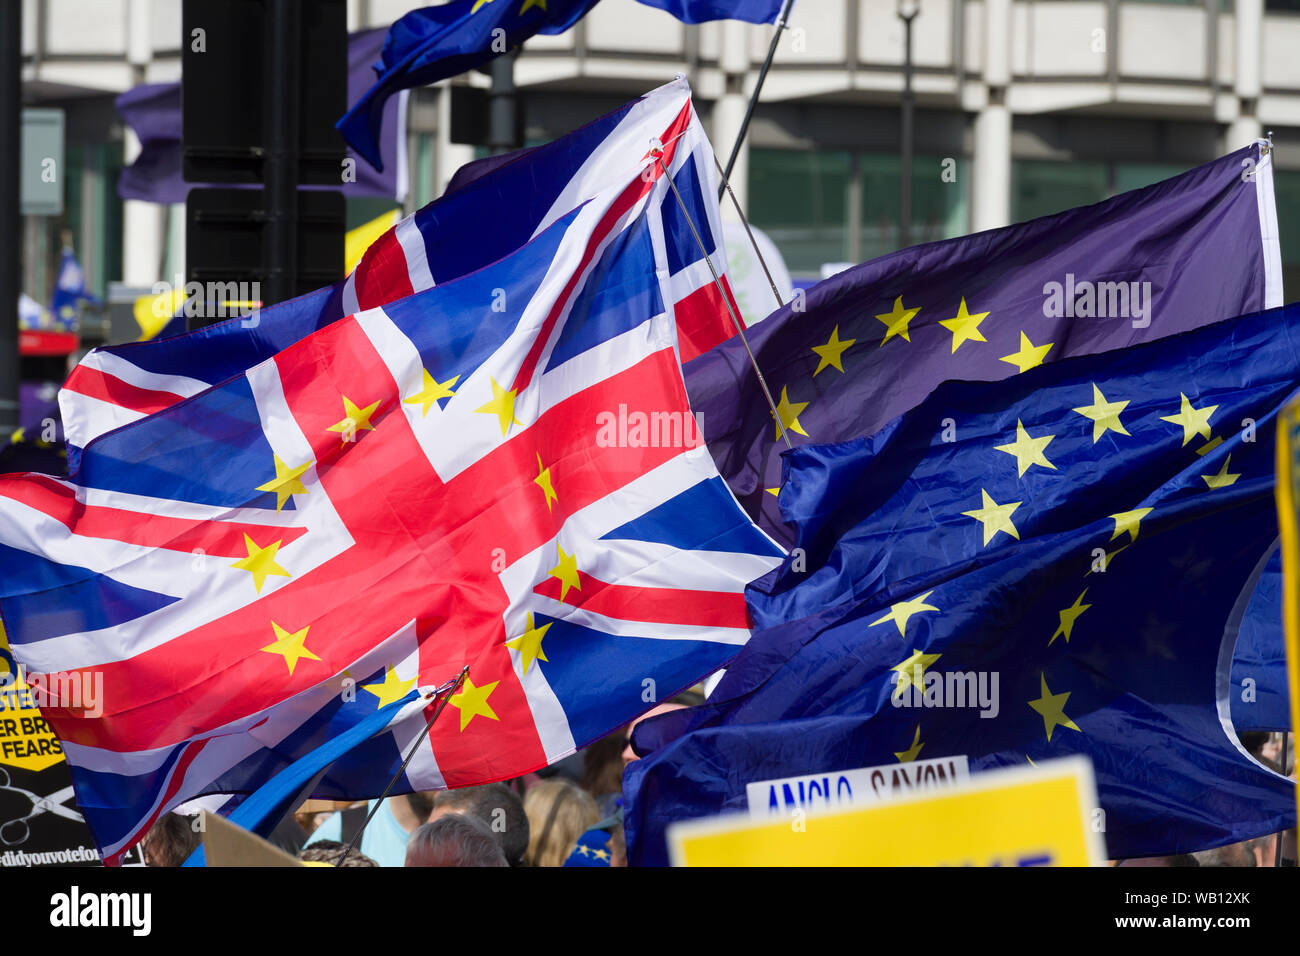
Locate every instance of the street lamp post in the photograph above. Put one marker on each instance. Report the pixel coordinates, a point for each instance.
(907, 11)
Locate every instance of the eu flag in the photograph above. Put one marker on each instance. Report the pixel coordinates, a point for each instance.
(1053, 564)
(433, 43)
(868, 344)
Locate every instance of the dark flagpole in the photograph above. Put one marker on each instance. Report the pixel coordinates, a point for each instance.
(447, 690)
(753, 100)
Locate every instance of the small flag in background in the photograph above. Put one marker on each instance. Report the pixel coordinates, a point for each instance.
(69, 291)
(1049, 565)
(153, 111)
(433, 43)
(453, 236)
(501, 472)
(702, 11)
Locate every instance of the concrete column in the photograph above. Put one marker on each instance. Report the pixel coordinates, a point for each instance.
(729, 110)
(1246, 127)
(447, 156)
(991, 189)
(143, 232)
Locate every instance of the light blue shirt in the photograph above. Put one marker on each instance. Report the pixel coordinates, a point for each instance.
(383, 840)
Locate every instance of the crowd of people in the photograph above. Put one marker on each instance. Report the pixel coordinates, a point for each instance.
(569, 814)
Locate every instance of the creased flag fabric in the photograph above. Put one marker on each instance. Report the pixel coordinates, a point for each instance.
(501, 472)
(433, 43)
(702, 11)
(868, 344)
(1063, 571)
(452, 236)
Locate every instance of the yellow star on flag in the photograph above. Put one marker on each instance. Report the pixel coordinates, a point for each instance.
(472, 701)
(789, 412)
(908, 755)
(964, 326)
(774, 492)
(392, 689)
(260, 562)
(1052, 709)
(1210, 445)
(1194, 421)
(292, 647)
(1128, 521)
(896, 321)
(1104, 414)
(911, 672)
(529, 4)
(477, 4)
(995, 517)
(1068, 617)
(1029, 356)
(502, 406)
(1027, 450)
(900, 612)
(430, 392)
(831, 354)
(287, 481)
(1223, 479)
(355, 420)
(1105, 561)
(567, 573)
(529, 643)
(543, 481)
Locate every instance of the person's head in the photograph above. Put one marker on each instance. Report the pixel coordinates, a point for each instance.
(687, 698)
(170, 841)
(331, 852)
(457, 839)
(497, 807)
(558, 813)
(1234, 854)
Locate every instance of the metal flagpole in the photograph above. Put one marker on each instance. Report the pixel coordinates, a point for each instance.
(726, 299)
(753, 100)
(749, 232)
(448, 689)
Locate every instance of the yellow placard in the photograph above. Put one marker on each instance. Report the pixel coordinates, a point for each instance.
(1020, 816)
(26, 740)
(1288, 493)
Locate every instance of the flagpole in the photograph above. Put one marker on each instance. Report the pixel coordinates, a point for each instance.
(448, 689)
(726, 299)
(749, 232)
(753, 100)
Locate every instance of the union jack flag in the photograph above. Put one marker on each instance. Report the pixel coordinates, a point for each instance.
(501, 472)
(452, 236)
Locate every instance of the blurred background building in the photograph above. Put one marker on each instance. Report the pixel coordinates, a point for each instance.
(1035, 107)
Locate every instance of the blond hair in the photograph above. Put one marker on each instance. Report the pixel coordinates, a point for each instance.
(558, 813)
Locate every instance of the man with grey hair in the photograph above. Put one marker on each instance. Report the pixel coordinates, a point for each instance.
(497, 807)
(457, 839)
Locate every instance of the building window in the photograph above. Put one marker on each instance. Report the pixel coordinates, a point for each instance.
(1286, 187)
(838, 206)
(801, 200)
(1044, 187)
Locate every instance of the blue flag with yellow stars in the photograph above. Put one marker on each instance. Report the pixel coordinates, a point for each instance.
(869, 343)
(433, 43)
(1012, 571)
